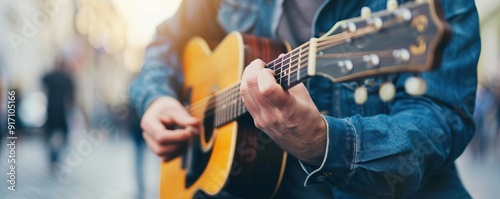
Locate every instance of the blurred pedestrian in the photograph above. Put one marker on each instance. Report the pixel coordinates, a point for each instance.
(60, 94)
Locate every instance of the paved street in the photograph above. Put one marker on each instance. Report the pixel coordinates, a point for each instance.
(481, 173)
(107, 172)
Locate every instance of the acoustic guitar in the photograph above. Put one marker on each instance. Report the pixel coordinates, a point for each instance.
(231, 156)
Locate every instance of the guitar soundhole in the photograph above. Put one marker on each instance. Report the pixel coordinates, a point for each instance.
(200, 150)
(197, 162)
(208, 125)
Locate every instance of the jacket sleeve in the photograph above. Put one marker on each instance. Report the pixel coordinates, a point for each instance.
(396, 153)
(161, 73)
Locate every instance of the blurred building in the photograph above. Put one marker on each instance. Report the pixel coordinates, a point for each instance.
(104, 39)
(489, 66)
(488, 98)
(33, 34)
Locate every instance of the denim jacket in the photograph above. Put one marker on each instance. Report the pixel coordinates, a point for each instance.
(403, 148)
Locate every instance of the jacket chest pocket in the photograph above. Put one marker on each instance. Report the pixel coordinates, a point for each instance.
(238, 15)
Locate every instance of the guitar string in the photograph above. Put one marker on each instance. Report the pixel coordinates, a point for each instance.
(222, 92)
(233, 91)
(326, 42)
(226, 101)
(234, 98)
(302, 55)
(347, 35)
(291, 57)
(230, 88)
(323, 43)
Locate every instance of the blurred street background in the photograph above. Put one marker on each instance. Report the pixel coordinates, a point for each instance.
(90, 50)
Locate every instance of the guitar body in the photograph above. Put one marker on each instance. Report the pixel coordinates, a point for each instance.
(235, 158)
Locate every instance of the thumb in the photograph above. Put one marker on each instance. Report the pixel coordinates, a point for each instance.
(183, 118)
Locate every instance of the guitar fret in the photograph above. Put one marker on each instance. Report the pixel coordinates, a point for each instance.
(294, 69)
(241, 106)
(278, 70)
(296, 75)
(225, 107)
(230, 104)
(238, 100)
(216, 110)
(221, 107)
(289, 69)
(298, 64)
(233, 103)
(285, 69)
(271, 65)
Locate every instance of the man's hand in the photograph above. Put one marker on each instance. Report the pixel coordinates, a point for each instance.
(167, 143)
(290, 117)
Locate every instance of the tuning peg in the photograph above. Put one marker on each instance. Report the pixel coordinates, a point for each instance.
(345, 66)
(401, 55)
(366, 12)
(376, 22)
(392, 5)
(348, 27)
(360, 95)
(387, 91)
(415, 86)
(403, 14)
(371, 60)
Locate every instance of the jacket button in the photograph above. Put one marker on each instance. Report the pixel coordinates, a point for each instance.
(321, 179)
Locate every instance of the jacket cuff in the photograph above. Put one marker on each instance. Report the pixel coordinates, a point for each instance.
(150, 98)
(151, 84)
(338, 162)
(309, 169)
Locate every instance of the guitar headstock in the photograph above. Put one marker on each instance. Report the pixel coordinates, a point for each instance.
(405, 38)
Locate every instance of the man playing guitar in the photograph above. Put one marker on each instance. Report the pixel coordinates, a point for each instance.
(337, 148)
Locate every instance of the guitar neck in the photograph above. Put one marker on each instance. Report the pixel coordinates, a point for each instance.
(402, 40)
